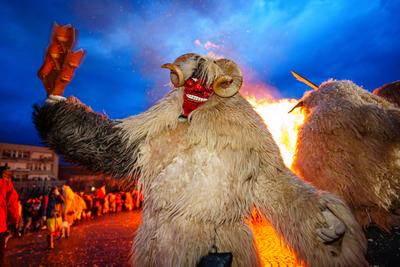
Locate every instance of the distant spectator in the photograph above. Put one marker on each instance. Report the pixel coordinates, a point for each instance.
(128, 201)
(9, 208)
(113, 203)
(27, 215)
(106, 204)
(99, 200)
(80, 206)
(118, 201)
(35, 213)
(53, 214)
(65, 205)
(44, 202)
(89, 206)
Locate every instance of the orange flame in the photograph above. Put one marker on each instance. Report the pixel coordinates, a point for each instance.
(283, 126)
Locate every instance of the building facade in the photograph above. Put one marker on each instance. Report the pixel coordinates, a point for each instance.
(34, 168)
(81, 179)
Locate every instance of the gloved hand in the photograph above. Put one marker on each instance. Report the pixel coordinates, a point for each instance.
(335, 229)
(52, 99)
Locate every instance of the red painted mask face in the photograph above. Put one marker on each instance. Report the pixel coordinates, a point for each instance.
(194, 95)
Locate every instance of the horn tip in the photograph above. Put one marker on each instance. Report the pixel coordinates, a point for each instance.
(294, 73)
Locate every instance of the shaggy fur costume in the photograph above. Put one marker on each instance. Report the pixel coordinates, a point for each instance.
(349, 145)
(201, 180)
(82, 136)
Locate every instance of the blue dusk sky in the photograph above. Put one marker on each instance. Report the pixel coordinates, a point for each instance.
(127, 41)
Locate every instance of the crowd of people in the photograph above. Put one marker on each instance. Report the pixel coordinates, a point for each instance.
(63, 207)
(58, 210)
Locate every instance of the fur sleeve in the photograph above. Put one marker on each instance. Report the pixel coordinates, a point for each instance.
(84, 137)
(294, 208)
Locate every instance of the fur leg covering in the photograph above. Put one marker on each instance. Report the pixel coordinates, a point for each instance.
(181, 243)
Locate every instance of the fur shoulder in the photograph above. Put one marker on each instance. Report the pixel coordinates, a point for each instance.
(230, 122)
(160, 117)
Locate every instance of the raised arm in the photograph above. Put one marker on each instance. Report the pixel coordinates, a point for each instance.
(317, 225)
(84, 137)
(70, 127)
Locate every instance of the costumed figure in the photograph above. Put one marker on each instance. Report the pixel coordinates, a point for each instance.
(204, 134)
(349, 145)
(80, 206)
(68, 209)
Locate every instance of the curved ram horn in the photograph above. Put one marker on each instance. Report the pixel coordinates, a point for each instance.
(178, 68)
(176, 75)
(230, 83)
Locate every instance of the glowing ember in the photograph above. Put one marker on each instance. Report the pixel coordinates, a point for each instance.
(283, 126)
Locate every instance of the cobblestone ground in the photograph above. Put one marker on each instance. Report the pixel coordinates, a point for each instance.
(106, 241)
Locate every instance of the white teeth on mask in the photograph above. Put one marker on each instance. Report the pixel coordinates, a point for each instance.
(196, 98)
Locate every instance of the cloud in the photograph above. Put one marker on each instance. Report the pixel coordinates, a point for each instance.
(127, 41)
(208, 45)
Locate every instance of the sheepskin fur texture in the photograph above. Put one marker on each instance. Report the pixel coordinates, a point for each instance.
(84, 137)
(201, 179)
(207, 71)
(349, 145)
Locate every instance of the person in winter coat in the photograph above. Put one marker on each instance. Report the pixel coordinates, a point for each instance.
(8, 207)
